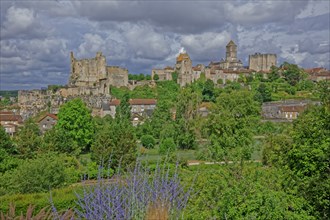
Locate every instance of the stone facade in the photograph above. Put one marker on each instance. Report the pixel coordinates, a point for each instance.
(287, 110)
(163, 74)
(90, 80)
(47, 122)
(262, 62)
(183, 67)
(117, 76)
(31, 102)
(231, 61)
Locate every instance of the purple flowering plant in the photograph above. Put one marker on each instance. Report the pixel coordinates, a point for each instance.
(135, 194)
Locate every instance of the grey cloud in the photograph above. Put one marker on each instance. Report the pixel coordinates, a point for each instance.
(22, 23)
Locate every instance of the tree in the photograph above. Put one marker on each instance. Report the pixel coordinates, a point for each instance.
(186, 112)
(220, 81)
(309, 157)
(116, 141)
(75, 121)
(141, 77)
(263, 93)
(156, 77)
(28, 139)
(167, 146)
(160, 118)
(292, 73)
(148, 141)
(5, 142)
(175, 76)
(148, 77)
(208, 91)
(230, 126)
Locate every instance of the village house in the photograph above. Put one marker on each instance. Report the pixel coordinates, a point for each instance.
(141, 109)
(318, 74)
(282, 111)
(47, 122)
(10, 121)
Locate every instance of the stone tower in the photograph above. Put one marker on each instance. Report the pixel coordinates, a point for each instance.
(262, 62)
(183, 67)
(231, 61)
(231, 52)
(87, 72)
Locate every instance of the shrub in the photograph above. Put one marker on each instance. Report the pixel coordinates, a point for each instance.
(167, 145)
(134, 195)
(38, 175)
(148, 141)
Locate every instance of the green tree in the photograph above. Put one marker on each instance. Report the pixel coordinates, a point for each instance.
(230, 126)
(28, 139)
(263, 93)
(292, 73)
(148, 77)
(141, 77)
(160, 117)
(116, 141)
(208, 91)
(75, 120)
(309, 158)
(167, 146)
(148, 141)
(274, 73)
(156, 77)
(175, 76)
(59, 140)
(5, 142)
(220, 81)
(187, 110)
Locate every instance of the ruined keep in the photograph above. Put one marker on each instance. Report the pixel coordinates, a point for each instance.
(231, 61)
(90, 80)
(183, 67)
(262, 62)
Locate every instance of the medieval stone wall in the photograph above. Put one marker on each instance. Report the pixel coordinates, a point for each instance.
(262, 62)
(117, 76)
(87, 72)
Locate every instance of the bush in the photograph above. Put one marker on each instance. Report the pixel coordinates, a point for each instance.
(148, 141)
(166, 146)
(37, 175)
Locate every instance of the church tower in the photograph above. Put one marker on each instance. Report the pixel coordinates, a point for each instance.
(231, 52)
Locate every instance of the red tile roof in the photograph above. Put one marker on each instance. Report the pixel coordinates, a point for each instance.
(292, 108)
(6, 113)
(142, 101)
(8, 118)
(50, 115)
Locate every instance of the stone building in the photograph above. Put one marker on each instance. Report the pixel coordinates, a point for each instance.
(231, 61)
(262, 62)
(94, 73)
(288, 110)
(141, 109)
(10, 121)
(163, 74)
(47, 122)
(117, 76)
(183, 67)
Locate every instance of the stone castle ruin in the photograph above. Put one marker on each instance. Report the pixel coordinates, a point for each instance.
(90, 80)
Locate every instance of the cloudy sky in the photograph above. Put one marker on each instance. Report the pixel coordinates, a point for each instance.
(37, 36)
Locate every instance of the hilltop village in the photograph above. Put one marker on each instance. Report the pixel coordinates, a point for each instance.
(92, 80)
